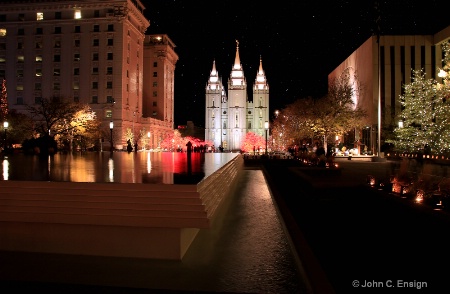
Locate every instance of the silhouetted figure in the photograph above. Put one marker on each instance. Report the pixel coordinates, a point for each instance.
(129, 147)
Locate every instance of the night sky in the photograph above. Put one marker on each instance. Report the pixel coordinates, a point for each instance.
(300, 42)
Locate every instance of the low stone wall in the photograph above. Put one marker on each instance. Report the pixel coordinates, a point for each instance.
(110, 219)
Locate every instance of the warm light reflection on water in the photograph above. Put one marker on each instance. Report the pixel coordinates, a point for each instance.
(122, 167)
(5, 169)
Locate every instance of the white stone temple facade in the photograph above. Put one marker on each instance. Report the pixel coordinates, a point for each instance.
(229, 114)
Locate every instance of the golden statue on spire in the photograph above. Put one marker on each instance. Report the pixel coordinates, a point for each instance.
(237, 43)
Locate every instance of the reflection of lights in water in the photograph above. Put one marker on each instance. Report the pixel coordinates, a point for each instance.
(149, 163)
(5, 164)
(49, 161)
(111, 169)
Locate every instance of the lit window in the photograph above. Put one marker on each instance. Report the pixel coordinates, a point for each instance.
(20, 58)
(56, 72)
(19, 87)
(76, 85)
(77, 14)
(40, 16)
(108, 113)
(38, 72)
(2, 32)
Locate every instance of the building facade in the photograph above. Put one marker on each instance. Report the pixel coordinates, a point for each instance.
(229, 115)
(382, 68)
(92, 52)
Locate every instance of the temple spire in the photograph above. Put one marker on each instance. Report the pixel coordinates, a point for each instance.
(261, 82)
(237, 61)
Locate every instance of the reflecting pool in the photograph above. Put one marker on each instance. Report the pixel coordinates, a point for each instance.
(118, 167)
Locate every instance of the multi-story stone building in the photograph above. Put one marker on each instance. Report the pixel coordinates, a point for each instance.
(381, 69)
(228, 118)
(92, 52)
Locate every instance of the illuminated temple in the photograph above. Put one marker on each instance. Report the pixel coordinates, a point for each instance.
(230, 115)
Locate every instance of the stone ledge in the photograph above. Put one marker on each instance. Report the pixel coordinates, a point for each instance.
(111, 219)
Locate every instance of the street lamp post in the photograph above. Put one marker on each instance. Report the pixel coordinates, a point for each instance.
(148, 136)
(266, 126)
(5, 127)
(111, 126)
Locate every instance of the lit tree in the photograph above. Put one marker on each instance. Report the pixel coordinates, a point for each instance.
(53, 116)
(3, 101)
(86, 125)
(251, 141)
(334, 114)
(174, 141)
(56, 119)
(418, 114)
(425, 113)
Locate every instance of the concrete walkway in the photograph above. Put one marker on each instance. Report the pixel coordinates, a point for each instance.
(249, 252)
